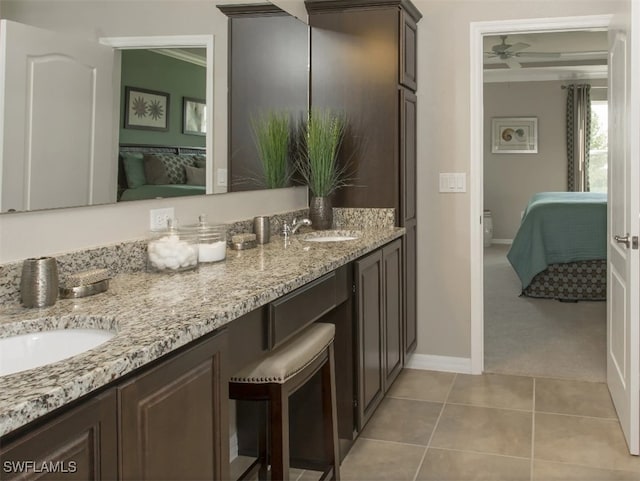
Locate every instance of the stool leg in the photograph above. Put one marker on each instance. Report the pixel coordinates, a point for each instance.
(279, 432)
(329, 413)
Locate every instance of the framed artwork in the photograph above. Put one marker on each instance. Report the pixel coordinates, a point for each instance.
(146, 109)
(194, 116)
(514, 135)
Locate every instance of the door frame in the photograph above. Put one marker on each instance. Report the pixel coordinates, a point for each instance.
(476, 135)
(150, 42)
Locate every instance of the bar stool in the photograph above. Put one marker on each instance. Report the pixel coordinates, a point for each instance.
(278, 376)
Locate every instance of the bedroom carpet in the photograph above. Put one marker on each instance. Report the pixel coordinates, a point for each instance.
(539, 337)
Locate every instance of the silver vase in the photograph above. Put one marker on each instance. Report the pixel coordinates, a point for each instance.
(321, 213)
(39, 282)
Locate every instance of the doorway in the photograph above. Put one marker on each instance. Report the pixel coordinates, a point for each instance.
(528, 75)
(622, 281)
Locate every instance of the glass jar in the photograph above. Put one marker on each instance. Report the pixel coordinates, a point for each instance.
(172, 250)
(212, 240)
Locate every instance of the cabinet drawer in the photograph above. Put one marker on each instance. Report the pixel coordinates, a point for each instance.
(301, 307)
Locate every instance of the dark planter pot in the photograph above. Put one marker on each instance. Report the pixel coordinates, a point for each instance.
(321, 213)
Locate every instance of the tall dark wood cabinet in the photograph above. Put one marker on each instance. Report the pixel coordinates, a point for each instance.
(378, 286)
(268, 70)
(80, 444)
(173, 418)
(364, 62)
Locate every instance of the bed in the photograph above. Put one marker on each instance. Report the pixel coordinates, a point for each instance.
(158, 171)
(560, 249)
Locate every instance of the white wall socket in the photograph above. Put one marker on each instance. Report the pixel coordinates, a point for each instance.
(158, 218)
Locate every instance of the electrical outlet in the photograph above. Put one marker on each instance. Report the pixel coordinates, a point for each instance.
(158, 218)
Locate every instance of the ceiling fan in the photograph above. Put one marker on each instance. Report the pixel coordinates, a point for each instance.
(509, 53)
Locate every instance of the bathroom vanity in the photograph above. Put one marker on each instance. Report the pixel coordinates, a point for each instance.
(151, 403)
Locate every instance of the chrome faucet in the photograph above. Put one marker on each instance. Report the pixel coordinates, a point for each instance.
(290, 229)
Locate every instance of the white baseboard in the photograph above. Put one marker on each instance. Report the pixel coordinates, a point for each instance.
(502, 241)
(427, 362)
(233, 446)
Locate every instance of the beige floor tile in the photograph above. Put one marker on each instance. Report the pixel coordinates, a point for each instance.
(574, 397)
(424, 385)
(584, 441)
(548, 471)
(493, 390)
(371, 460)
(484, 430)
(308, 476)
(403, 420)
(445, 465)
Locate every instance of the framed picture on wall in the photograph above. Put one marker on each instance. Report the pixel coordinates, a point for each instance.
(146, 109)
(194, 116)
(514, 135)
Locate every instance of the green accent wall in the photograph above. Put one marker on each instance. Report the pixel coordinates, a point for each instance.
(153, 71)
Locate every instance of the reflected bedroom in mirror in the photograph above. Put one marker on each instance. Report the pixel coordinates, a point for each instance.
(118, 119)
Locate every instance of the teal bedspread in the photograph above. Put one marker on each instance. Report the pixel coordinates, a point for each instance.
(160, 191)
(559, 227)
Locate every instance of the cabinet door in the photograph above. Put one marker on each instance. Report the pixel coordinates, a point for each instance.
(173, 421)
(392, 301)
(408, 136)
(408, 50)
(410, 287)
(369, 308)
(77, 445)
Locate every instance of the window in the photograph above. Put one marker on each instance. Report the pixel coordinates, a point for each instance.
(598, 148)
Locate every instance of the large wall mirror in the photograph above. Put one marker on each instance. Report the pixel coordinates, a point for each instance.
(119, 118)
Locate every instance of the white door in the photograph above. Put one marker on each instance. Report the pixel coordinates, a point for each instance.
(623, 339)
(56, 107)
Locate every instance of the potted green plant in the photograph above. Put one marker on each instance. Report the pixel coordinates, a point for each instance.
(317, 162)
(271, 133)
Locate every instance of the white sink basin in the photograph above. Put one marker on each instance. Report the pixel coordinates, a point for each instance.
(27, 351)
(331, 238)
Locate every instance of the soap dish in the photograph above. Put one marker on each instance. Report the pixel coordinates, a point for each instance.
(243, 241)
(243, 245)
(84, 291)
(85, 283)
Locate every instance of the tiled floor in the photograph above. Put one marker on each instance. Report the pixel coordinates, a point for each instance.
(454, 427)
(445, 427)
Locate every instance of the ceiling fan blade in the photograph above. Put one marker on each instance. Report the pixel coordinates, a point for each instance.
(538, 54)
(516, 47)
(512, 63)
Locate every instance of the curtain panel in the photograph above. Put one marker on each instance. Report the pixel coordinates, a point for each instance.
(578, 136)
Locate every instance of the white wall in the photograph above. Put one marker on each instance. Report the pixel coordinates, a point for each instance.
(444, 276)
(511, 179)
(55, 231)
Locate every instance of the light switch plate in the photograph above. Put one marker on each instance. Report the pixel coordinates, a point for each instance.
(453, 182)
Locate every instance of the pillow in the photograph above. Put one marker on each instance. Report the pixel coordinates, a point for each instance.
(195, 175)
(200, 161)
(155, 171)
(134, 169)
(174, 165)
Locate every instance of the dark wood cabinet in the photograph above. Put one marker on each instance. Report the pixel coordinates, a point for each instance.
(80, 444)
(370, 316)
(173, 418)
(392, 281)
(408, 218)
(379, 313)
(364, 62)
(408, 49)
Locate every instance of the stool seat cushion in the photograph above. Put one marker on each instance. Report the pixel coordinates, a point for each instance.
(289, 358)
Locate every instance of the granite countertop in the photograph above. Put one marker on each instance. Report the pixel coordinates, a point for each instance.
(155, 313)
